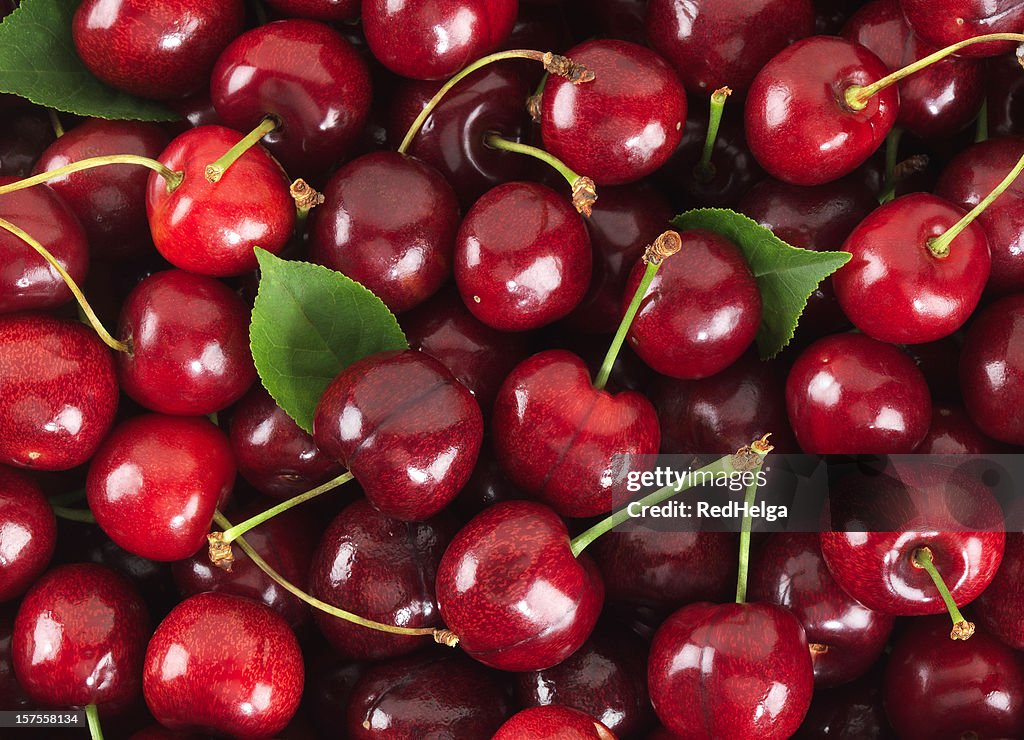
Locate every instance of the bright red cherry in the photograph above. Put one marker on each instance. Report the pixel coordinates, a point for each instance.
(646, 96)
(944, 22)
(154, 484)
(155, 48)
(28, 533)
(321, 10)
(540, 723)
(998, 607)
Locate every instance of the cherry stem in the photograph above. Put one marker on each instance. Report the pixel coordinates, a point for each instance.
(923, 558)
(657, 252)
(892, 151)
(71, 497)
(584, 191)
(553, 63)
(306, 198)
(533, 102)
(939, 246)
(761, 448)
(857, 96)
(93, 319)
(260, 12)
(74, 515)
(981, 125)
(58, 127)
(705, 169)
(92, 717)
(173, 178)
(214, 172)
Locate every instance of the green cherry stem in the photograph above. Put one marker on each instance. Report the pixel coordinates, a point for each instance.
(761, 448)
(705, 169)
(58, 127)
(892, 151)
(981, 125)
(74, 515)
(214, 172)
(173, 179)
(657, 252)
(584, 191)
(923, 558)
(92, 718)
(533, 102)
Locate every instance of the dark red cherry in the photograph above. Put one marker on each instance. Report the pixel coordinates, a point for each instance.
(27, 281)
(798, 124)
(155, 482)
(426, 695)
(998, 608)
(79, 638)
(953, 433)
(320, 10)
(12, 695)
(944, 22)
(853, 395)
(388, 222)
(934, 360)
(731, 670)
(109, 201)
(223, 664)
(850, 712)
(510, 588)
(212, 228)
(189, 344)
(935, 687)
(58, 392)
(1005, 100)
(195, 111)
(701, 311)
(625, 123)
(713, 43)
(522, 257)
(486, 486)
(992, 370)
(540, 723)
(307, 76)
(28, 532)
(406, 429)
(155, 48)
(428, 42)
(25, 133)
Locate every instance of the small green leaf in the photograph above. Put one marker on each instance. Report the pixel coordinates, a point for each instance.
(310, 323)
(38, 61)
(785, 274)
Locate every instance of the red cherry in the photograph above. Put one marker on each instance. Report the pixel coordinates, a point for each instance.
(944, 22)
(26, 133)
(953, 433)
(998, 607)
(540, 723)
(28, 533)
(223, 664)
(155, 482)
(321, 10)
(12, 696)
(1003, 94)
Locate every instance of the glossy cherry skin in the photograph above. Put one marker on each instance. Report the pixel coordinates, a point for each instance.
(58, 392)
(1004, 95)
(998, 607)
(405, 427)
(510, 588)
(894, 289)
(953, 433)
(223, 664)
(992, 370)
(27, 281)
(522, 257)
(625, 123)
(388, 222)
(565, 723)
(155, 482)
(851, 711)
(853, 395)
(731, 670)
(212, 228)
(110, 201)
(160, 50)
(428, 42)
(320, 10)
(798, 125)
(79, 638)
(700, 312)
(189, 339)
(936, 687)
(28, 532)
(944, 22)
(713, 43)
(307, 75)
(426, 695)
(26, 133)
(971, 176)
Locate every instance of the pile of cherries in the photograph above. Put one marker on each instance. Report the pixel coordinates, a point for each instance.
(155, 568)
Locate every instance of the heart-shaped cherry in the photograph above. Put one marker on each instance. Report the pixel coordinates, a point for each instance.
(998, 607)
(540, 723)
(28, 533)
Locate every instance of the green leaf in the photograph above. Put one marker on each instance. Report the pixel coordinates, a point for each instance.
(310, 323)
(38, 61)
(785, 274)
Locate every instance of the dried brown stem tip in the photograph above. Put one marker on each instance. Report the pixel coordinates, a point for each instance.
(533, 106)
(565, 67)
(584, 195)
(305, 196)
(445, 637)
(749, 457)
(663, 247)
(220, 551)
(962, 630)
(817, 648)
(722, 92)
(910, 166)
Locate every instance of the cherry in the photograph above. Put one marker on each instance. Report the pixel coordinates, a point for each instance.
(712, 43)
(426, 696)
(945, 22)
(649, 105)
(25, 134)
(223, 664)
(163, 49)
(321, 10)
(28, 533)
(522, 257)
(701, 311)
(388, 221)
(486, 486)
(58, 392)
(934, 688)
(1003, 95)
(853, 710)
(998, 607)
(992, 370)
(428, 42)
(155, 482)
(189, 344)
(406, 429)
(509, 587)
(79, 638)
(953, 433)
(903, 284)
(540, 723)
(27, 281)
(195, 111)
(12, 696)
(850, 394)
(731, 670)
(799, 125)
(211, 227)
(321, 106)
